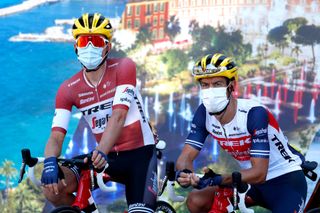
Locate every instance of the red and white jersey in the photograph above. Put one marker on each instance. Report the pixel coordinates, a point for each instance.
(116, 89)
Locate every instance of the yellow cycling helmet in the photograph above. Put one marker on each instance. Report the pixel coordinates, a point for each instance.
(92, 24)
(214, 65)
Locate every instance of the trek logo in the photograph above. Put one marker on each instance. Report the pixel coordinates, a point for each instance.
(231, 142)
(97, 108)
(98, 123)
(281, 149)
(128, 91)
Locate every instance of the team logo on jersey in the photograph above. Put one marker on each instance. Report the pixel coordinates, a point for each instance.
(128, 91)
(260, 132)
(216, 132)
(235, 141)
(98, 123)
(94, 109)
(281, 148)
(74, 82)
(85, 94)
(86, 100)
(154, 188)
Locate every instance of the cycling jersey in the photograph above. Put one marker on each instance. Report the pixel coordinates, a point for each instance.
(253, 132)
(115, 89)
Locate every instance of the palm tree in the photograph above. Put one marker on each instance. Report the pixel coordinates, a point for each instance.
(172, 28)
(8, 171)
(296, 50)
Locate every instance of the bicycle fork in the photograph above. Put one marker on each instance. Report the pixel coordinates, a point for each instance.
(84, 199)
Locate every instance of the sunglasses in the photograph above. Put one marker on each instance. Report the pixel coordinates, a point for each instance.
(96, 40)
(210, 69)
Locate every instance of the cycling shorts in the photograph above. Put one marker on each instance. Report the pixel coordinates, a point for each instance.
(286, 193)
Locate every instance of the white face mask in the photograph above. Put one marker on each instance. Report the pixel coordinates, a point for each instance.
(215, 99)
(90, 56)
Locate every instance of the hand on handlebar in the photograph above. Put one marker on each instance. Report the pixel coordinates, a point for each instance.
(50, 174)
(210, 178)
(99, 159)
(183, 177)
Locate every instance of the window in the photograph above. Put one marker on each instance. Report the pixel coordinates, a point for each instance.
(161, 20)
(129, 11)
(148, 9)
(155, 7)
(161, 6)
(148, 20)
(155, 21)
(161, 34)
(154, 34)
(136, 23)
(137, 10)
(129, 24)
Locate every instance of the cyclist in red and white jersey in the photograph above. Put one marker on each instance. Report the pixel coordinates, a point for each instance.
(105, 92)
(250, 134)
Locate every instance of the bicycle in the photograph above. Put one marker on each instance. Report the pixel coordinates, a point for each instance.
(90, 179)
(234, 199)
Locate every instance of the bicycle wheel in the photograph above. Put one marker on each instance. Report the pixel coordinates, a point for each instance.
(164, 207)
(66, 209)
(316, 210)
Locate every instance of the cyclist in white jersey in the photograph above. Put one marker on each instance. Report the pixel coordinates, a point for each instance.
(250, 134)
(105, 92)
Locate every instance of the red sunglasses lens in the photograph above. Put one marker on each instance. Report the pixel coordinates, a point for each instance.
(96, 41)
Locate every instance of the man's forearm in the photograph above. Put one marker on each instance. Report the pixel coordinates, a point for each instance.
(53, 148)
(111, 133)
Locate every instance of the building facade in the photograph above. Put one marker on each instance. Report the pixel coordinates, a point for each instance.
(140, 13)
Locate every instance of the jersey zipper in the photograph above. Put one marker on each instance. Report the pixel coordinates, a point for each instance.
(96, 90)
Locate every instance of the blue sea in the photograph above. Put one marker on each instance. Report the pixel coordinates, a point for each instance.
(31, 73)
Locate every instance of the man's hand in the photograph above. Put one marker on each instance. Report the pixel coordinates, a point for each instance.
(183, 177)
(210, 178)
(99, 159)
(50, 174)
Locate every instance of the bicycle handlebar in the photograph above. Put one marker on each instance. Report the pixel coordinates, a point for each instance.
(28, 160)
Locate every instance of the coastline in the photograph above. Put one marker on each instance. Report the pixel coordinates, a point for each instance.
(26, 5)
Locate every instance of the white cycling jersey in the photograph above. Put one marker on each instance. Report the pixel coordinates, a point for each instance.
(253, 132)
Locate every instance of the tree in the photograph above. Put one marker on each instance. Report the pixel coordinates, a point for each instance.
(308, 35)
(176, 61)
(144, 36)
(8, 171)
(296, 51)
(294, 24)
(278, 36)
(116, 50)
(172, 27)
(204, 38)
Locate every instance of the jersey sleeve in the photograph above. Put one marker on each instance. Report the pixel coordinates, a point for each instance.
(126, 84)
(63, 109)
(257, 125)
(198, 132)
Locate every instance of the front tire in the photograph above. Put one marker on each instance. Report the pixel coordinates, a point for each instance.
(66, 209)
(316, 210)
(164, 207)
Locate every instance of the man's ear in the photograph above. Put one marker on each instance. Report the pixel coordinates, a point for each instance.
(75, 49)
